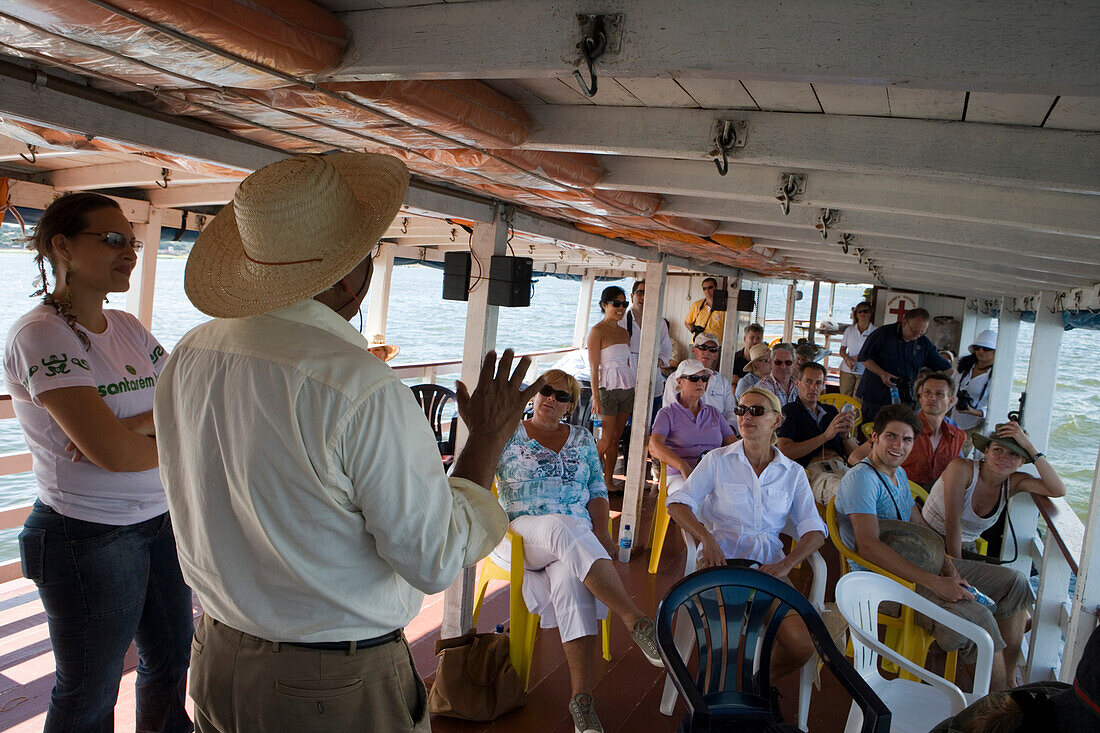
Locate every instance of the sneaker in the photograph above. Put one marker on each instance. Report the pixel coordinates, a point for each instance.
(583, 709)
(646, 637)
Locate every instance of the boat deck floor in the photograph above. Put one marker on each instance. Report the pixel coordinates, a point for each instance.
(627, 695)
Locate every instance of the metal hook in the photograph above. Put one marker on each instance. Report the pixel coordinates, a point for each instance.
(827, 217)
(454, 234)
(592, 45)
(789, 185)
(33, 150)
(405, 226)
(165, 176)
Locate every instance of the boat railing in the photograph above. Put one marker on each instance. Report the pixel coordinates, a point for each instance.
(20, 461)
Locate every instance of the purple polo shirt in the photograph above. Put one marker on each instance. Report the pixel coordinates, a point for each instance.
(687, 435)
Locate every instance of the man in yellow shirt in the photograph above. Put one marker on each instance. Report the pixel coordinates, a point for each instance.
(701, 317)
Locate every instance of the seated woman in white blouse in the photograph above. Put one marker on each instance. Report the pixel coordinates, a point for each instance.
(550, 482)
(739, 498)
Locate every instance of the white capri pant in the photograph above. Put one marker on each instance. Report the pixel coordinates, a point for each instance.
(558, 552)
(673, 482)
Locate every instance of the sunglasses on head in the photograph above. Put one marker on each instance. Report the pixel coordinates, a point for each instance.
(754, 410)
(782, 362)
(560, 395)
(116, 240)
(618, 303)
(696, 377)
(711, 349)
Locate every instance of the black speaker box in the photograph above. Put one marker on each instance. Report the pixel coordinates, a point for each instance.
(746, 301)
(510, 281)
(456, 276)
(510, 268)
(721, 299)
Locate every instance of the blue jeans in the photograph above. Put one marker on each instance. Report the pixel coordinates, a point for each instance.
(104, 586)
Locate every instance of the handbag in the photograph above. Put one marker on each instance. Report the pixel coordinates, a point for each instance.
(475, 679)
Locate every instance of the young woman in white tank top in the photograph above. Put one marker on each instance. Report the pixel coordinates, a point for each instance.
(970, 495)
(612, 377)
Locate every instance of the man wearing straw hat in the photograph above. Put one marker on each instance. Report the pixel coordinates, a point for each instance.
(307, 517)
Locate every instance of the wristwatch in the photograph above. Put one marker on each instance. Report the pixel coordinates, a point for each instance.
(1037, 456)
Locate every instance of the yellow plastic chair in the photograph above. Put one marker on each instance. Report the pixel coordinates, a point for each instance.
(838, 400)
(523, 624)
(903, 634)
(659, 529)
(867, 428)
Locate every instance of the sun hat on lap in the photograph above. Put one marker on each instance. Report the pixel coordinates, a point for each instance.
(293, 228)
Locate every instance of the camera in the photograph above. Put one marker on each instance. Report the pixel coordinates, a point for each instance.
(696, 330)
(964, 401)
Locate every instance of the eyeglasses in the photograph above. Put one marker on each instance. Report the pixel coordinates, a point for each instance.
(865, 313)
(559, 395)
(116, 240)
(754, 410)
(618, 303)
(983, 348)
(711, 349)
(782, 362)
(696, 377)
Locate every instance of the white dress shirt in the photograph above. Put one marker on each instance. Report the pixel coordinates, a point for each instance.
(719, 395)
(746, 512)
(306, 490)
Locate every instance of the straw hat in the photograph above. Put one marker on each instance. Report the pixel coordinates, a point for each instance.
(756, 353)
(378, 341)
(293, 229)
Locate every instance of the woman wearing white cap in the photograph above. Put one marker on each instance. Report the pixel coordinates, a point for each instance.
(974, 375)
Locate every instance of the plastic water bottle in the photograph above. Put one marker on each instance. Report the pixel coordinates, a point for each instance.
(982, 598)
(625, 543)
(500, 628)
(895, 396)
(597, 426)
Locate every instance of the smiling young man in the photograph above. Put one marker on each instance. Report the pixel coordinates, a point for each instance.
(939, 442)
(878, 489)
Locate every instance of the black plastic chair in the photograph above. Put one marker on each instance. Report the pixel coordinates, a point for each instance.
(736, 613)
(434, 400)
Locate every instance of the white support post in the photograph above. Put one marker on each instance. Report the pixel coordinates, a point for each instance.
(655, 276)
(1000, 385)
(832, 299)
(139, 299)
(378, 297)
(813, 311)
(1085, 605)
(762, 307)
(1046, 619)
(584, 310)
(481, 337)
(788, 316)
(1042, 371)
(730, 332)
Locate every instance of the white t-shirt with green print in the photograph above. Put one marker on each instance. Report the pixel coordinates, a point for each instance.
(42, 353)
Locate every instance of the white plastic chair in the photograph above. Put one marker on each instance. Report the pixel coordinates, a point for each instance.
(916, 707)
(683, 633)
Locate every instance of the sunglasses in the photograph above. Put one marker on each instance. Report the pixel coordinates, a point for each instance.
(697, 377)
(754, 410)
(711, 349)
(116, 240)
(782, 362)
(559, 395)
(618, 303)
(982, 348)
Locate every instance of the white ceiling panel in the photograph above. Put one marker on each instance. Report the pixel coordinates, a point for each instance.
(1008, 109)
(783, 96)
(659, 92)
(1075, 113)
(849, 99)
(926, 104)
(718, 93)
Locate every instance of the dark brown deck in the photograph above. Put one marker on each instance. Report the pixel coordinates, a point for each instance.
(627, 695)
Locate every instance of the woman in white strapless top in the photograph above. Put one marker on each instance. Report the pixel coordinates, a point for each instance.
(612, 377)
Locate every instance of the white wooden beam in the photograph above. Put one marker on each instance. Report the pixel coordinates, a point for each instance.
(481, 337)
(1042, 371)
(378, 296)
(139, 299)
(206, 194)
(1046, 211)
(584, 311)
(118, 175)
(1014, 46)
(1002, 376)
(14, 150)
(973, 152)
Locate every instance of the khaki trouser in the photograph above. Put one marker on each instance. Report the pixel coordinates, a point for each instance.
(848, 383)
(243, 684)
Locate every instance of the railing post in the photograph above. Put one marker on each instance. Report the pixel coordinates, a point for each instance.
(139, 299)
(584, 310)
(1086, 597)
(655, 274)
(481, 337)
(378, 296)
(1046, 620)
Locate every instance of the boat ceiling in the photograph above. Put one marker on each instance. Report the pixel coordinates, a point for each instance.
(929, 146)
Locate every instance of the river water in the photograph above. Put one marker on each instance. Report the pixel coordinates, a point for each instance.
(430, 329)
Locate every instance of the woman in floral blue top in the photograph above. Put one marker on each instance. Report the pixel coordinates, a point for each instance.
(550, 482)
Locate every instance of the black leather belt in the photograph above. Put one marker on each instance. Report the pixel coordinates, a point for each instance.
(347, 646)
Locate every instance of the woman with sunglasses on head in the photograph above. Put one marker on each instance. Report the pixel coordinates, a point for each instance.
(975, 371)
(687, 428)
(550, 482)
(613, 377)
(850, 344)
(98, 542)
(737, 501)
